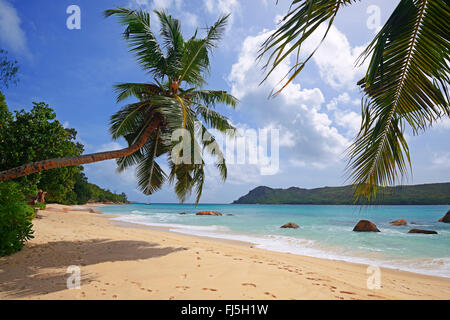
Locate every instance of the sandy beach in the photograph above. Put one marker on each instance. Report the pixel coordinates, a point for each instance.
(124, 261)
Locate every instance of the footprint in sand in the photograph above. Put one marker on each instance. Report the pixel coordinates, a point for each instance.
(249, 285)
(347, 292)
(182, 288)
(209, 289)
(270, 294)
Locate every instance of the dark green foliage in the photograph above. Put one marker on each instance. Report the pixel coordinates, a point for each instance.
(8, 70)
(15, 218)
(39, 205)
(89, 192)
(427, 194)
(36, 135)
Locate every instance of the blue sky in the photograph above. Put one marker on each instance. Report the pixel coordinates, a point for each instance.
(74, 71)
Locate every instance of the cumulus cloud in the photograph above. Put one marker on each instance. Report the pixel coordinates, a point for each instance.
(308, 134)
(335, 58)
(442, 160)
(223, 7)
(11, 34)
(442, 124)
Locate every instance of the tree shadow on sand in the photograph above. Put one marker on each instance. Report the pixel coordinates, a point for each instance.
(25, 273)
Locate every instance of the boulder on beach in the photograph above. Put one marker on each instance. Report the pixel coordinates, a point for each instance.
(422, 231)
(400, 222)
(209, 213)
(290, 225)
(94, 211)
(365, 226)
(445, 218)
(182, 213)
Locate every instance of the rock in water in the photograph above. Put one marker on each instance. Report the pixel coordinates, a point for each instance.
(182, 213)
(397, 223)
(422, 231)
(445, 218)
(365, 226)
(208, 213)
(290, 225)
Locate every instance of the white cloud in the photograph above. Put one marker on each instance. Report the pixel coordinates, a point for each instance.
(11, 34)
(442, 160)
(349, 120)
(335, 58)
(307, 133)
(442, 124)
(344, 98)
(223, 7)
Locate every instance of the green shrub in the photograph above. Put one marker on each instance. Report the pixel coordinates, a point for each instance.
(15, 219)
(39, 205)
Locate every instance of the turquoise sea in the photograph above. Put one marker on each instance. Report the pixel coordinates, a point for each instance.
(325, 231)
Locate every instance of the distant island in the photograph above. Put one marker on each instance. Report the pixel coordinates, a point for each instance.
(425, 194)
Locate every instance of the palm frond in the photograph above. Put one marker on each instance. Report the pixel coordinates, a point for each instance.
(212, 97)
(213, 119)
(142, 41)
(142, 91)
(125, 121)
(173, 42)
(196, 59)
(303, 19)
(404, 84)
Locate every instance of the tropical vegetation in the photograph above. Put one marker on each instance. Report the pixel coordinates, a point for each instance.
(15, 218)
(426, 194)
(29, 136)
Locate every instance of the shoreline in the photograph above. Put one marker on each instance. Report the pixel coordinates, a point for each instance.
(249, 244)
(258, 241)
(131, 261)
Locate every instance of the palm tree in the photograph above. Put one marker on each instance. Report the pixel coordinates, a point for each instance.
(406, 82)
(175, 99)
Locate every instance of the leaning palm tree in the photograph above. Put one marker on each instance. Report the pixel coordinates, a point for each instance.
(406, 82)
(173, 100)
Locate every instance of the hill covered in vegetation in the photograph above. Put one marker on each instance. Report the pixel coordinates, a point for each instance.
(425, 194)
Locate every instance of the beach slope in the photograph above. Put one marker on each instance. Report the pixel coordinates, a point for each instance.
(118, 261)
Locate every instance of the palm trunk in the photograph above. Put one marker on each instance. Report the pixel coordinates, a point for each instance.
(79, 160)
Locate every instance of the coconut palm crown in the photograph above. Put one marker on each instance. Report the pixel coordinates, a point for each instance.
(174, 99)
